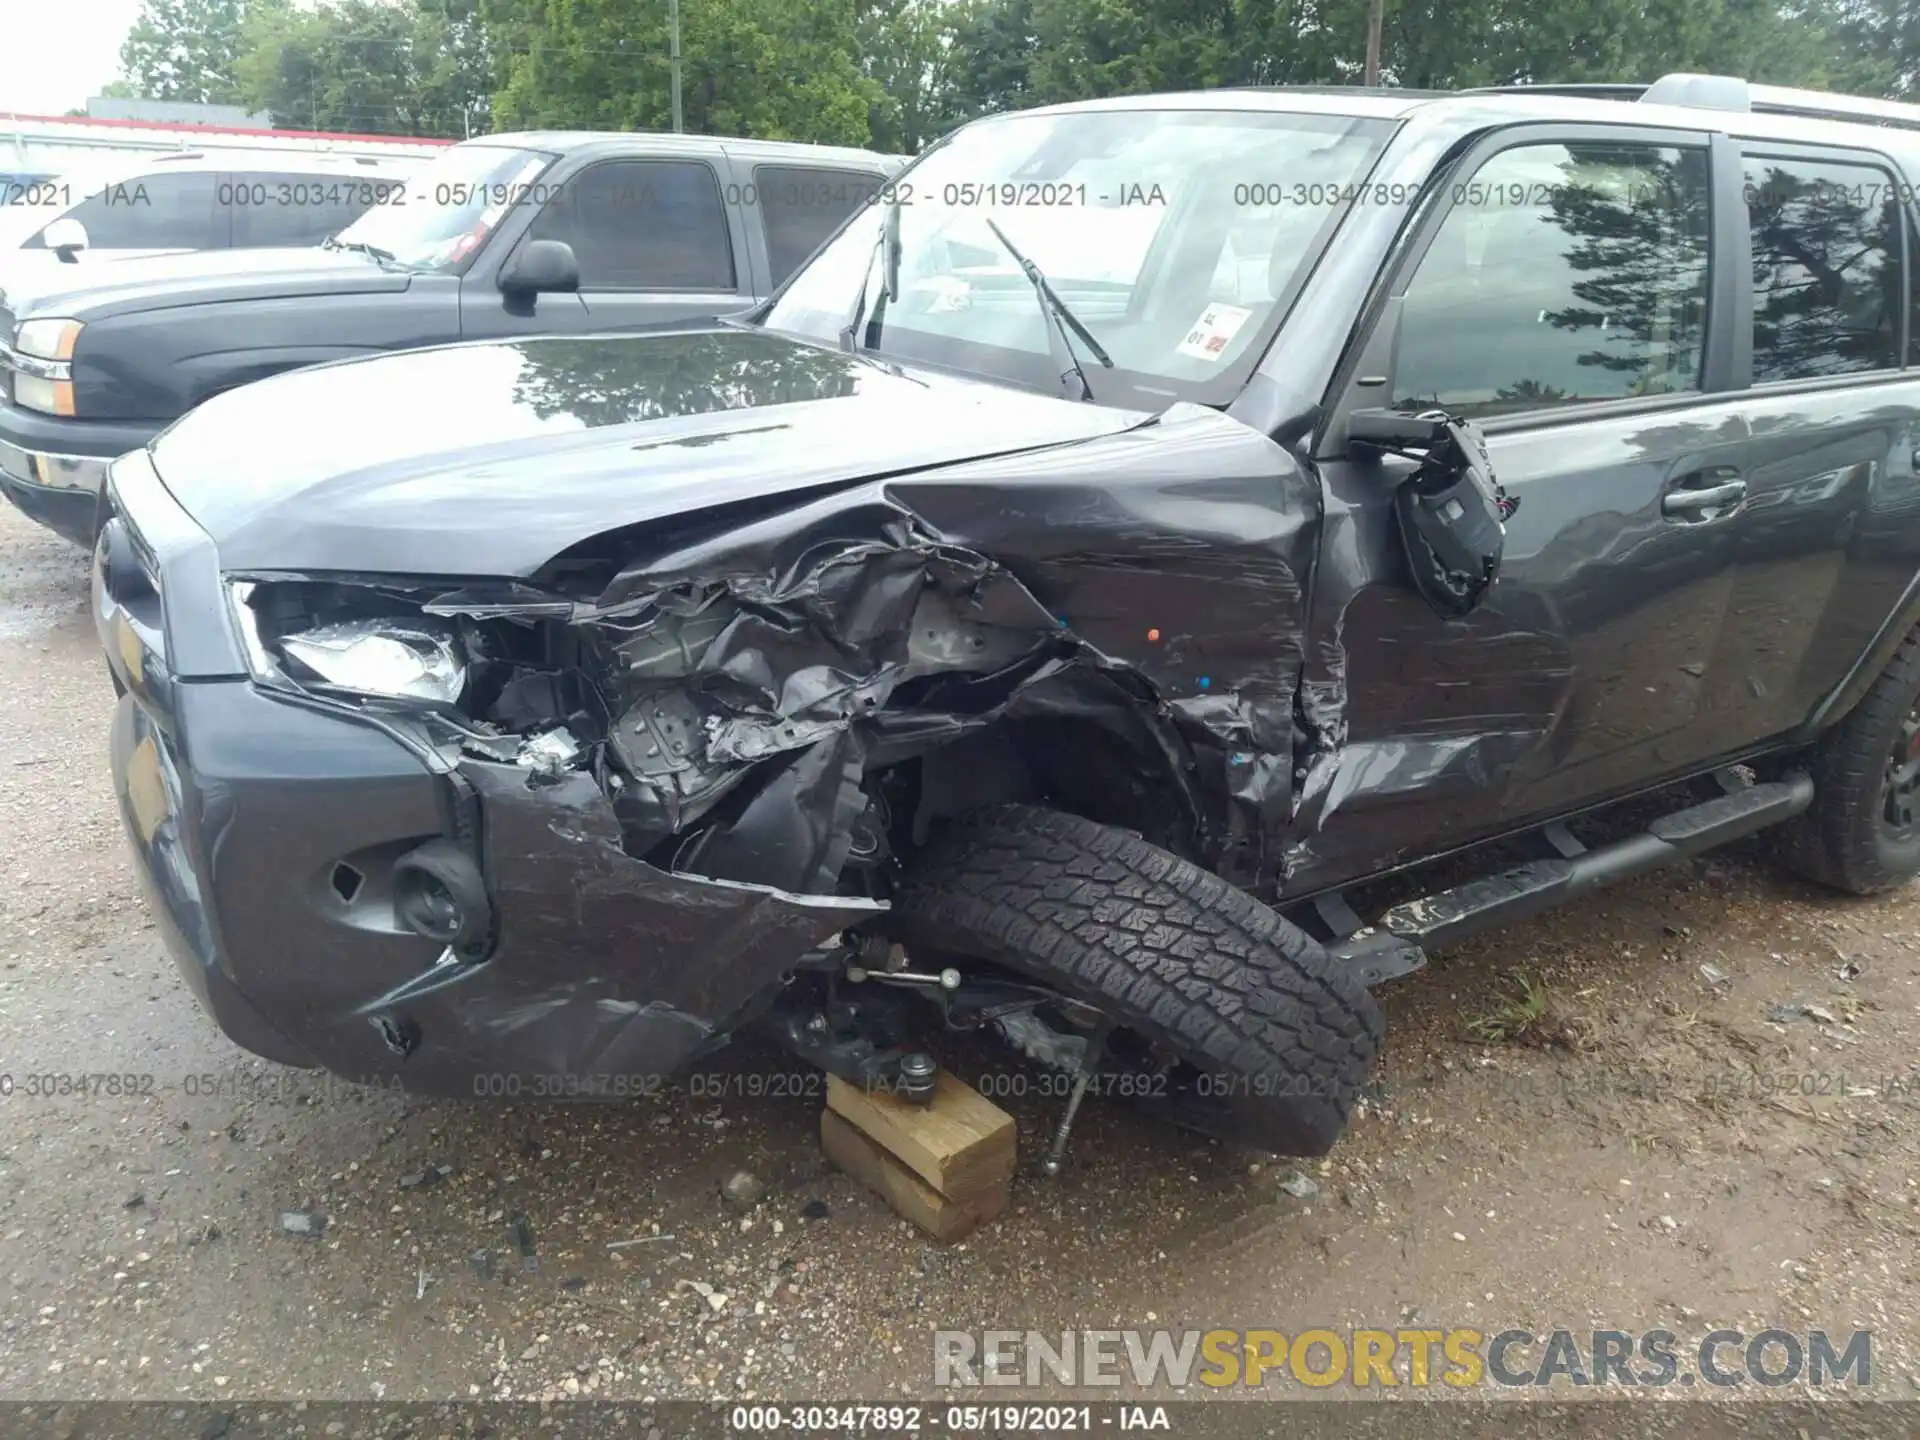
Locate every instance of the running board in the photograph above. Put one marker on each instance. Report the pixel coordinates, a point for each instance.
(1374, 957)
(1381, 952)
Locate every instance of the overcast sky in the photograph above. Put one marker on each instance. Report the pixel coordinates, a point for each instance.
(58, 52)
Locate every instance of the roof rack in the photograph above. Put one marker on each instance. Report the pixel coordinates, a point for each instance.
(1612, 91)
(1779, 100)
(1391, 92)
(1730, 92)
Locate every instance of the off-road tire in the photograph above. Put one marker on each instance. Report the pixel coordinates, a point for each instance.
(1843, 839)
(1195, 966)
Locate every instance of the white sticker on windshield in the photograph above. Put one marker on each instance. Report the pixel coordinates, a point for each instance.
(1213, 332)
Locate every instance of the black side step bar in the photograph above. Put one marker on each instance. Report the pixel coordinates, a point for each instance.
(1436, 921)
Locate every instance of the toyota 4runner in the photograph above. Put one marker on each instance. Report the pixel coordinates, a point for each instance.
(1147, 525)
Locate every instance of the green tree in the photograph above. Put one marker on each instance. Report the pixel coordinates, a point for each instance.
(189, 50)
(1010, 53)
(463, 66)
(908, 49)
(994, 43)
(369, 66)
(1876, 45)
(777, 69)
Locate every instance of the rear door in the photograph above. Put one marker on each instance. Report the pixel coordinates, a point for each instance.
(798, 207)
(1569, 292)
(656, 243)
(1828, 536)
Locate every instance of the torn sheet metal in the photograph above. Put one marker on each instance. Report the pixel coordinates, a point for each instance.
(1149, 586)
(605, 968)
(1146, 589)
(1120, 621)
(1182, 551)
(841, 640)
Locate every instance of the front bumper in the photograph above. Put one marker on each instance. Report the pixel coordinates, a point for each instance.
(266, 832)
(54, 469)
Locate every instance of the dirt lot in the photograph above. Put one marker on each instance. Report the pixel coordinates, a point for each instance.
(1490, 1182)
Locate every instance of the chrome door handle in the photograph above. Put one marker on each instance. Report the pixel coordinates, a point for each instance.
(1688, 504)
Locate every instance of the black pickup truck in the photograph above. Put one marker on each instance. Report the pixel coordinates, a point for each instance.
(1072, 609)
(511, 235)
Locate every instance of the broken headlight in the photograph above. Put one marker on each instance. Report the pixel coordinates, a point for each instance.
(397, 657)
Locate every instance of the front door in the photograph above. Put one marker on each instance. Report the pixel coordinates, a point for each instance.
(655, 240)
(1569, 296)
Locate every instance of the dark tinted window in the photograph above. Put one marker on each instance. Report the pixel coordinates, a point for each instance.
(1562, 274)
(295, 209)
(643, 225)
(1827, 292)
(801, 208)
(173, 210)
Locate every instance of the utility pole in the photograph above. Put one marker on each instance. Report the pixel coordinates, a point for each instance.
(673, 60)
(1376, 16)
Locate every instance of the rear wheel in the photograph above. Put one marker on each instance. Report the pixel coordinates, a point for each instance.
(1862, 833)
(1256, 1035)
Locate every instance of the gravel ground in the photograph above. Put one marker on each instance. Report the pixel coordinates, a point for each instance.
(1525, 1182)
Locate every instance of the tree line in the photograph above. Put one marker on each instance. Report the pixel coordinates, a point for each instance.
(896, 74)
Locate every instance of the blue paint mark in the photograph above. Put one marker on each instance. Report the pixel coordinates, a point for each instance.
(1206, 683)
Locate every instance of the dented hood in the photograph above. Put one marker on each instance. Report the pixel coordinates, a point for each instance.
(490, 459)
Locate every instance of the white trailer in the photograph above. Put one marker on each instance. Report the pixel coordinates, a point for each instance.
(51, 145)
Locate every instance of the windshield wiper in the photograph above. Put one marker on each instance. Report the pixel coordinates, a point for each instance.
(1060, 320)
(372, 252)
(887, 245)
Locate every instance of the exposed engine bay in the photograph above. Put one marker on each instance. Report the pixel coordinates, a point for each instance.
(734, 726)
(736, 768)
(752, 729)
(754, 696)
(746, 727)
(709, 760)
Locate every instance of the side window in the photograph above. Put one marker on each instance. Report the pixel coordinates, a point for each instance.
(173, 210)
(294, 209)
(643, 225)
(1827, 288)
(800, 208)
(1563, 274)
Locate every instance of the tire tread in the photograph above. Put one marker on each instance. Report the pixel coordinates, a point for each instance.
(1838, 841)
(1170, 949)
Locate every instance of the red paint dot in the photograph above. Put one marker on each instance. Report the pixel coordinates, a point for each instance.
(1153, 637)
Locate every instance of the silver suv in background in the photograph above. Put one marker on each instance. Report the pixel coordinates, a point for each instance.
(125, 208)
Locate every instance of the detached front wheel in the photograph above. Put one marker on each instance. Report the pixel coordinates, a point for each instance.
(1252, 1033)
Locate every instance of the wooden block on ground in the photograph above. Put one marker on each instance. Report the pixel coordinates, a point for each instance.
(910, 1196)
(959, 1142)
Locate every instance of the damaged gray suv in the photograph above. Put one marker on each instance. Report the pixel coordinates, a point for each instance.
(1069, 611)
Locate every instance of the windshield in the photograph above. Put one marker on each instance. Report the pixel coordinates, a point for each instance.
(1177, 238)
(448, 207)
